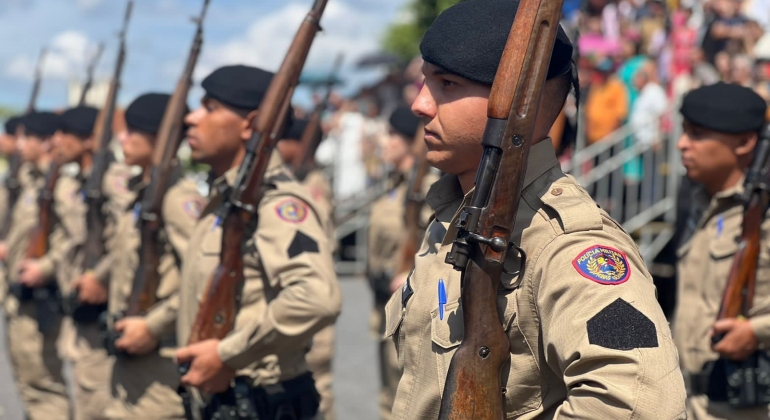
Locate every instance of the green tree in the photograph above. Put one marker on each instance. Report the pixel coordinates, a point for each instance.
(403, 38)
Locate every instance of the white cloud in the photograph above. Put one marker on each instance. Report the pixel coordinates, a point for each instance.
(266, 41)
(67, 56)
(89, 4)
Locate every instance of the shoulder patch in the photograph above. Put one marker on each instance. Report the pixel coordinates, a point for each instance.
(302, 243)
(193, 208)
(603, 264)
(620, 326)
(292, 210)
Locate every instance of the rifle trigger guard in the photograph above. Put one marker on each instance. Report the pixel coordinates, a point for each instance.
(521, 254)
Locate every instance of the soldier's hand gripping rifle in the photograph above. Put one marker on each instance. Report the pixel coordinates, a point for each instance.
(217, 312)
(12, 184)
(311, 137)
(741, 383)
(95, 219)
(473, 385)
(90, 75)
(164, 164)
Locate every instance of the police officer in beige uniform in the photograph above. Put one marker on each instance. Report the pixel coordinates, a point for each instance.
(145, 379)
(81, 340)
(386, 235)
(720, 132)
(290, 290)
(321, 354)
(588, 338)
(8, 152)
(36, 365)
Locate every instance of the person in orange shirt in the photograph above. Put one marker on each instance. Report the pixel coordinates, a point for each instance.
(606, 105)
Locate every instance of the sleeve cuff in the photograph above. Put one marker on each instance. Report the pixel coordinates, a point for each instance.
(47, 267)
(230, 354)
(159, 322)
(102, 270)
(761, 326)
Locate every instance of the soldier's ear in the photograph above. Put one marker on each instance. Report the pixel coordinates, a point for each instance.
(247, 125)
(747, 146)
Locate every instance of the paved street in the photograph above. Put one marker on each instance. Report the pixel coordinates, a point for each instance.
(356, 376)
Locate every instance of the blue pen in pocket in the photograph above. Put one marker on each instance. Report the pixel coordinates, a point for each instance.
(441, 299)
(720, 225)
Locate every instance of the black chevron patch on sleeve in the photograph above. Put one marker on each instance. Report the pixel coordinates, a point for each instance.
(620, 326)
(302, 243)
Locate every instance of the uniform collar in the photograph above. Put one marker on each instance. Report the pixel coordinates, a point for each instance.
(137, 183)
(447, 190)
(228, 179)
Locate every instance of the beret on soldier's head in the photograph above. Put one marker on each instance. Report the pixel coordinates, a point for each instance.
(11, 124)
(79, 120)
(146, 112)
(295, 129)
(404, 122)
(41, 124)
(238, 86)
(468, 40)
(726, 108)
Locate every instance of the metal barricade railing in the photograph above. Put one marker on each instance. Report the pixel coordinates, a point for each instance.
(635, 181)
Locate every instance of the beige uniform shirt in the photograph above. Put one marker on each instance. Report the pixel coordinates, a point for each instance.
(320, 190)
(703, 268)
(64, 260)
(24, 219)
(386, 225)
(182, 205)
(588, 338)
(290, 290)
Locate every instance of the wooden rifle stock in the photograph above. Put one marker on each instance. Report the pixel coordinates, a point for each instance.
(150, 222)
(473, 386)
(38, 243)
(415, 198)
(90, 75)
(311, 137)
(738, 295)
(94, 245)
(217, 311)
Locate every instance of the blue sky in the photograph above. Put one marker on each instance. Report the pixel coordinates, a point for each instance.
(159, 37)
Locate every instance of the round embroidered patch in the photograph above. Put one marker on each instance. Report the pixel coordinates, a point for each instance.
(603, 265)
(193, 208)
(291, 210)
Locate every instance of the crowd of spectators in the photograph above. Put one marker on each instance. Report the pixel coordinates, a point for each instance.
(637, 58)
(635, 61)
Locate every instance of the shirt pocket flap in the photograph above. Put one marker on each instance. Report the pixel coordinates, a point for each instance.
(449, 332)
(394, 313)
(722, 248)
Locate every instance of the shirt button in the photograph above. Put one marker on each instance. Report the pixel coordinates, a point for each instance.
(556, 191)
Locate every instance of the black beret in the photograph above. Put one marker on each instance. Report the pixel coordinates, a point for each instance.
(238, 86)
(468, 40)
(42, 124)
(11, 124)
(146, 112)
(79, 120)
(726, 108)
(295, 129)
(403, 121)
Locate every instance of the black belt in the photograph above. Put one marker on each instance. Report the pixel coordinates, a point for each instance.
(294, 399)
